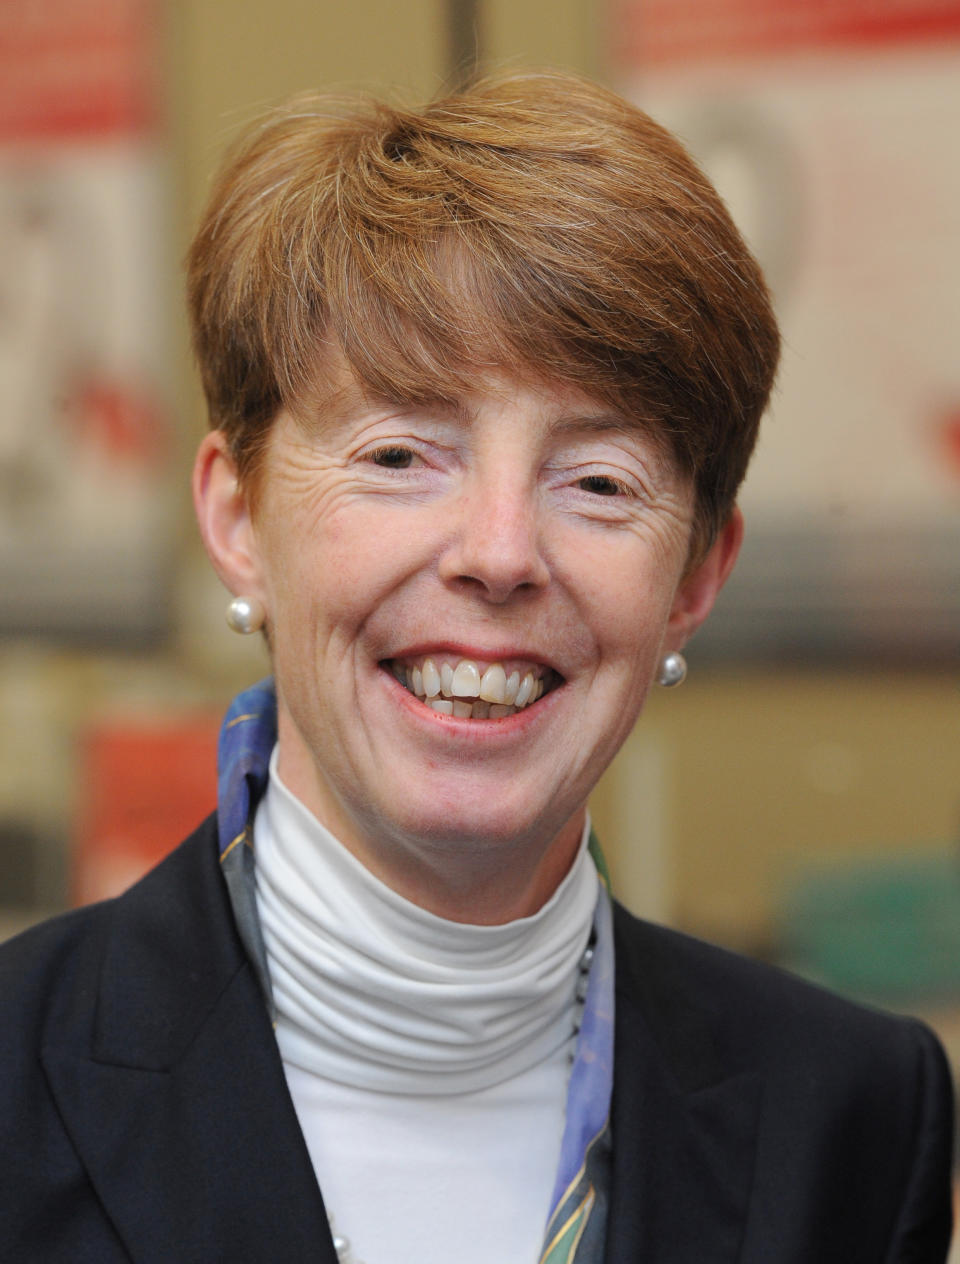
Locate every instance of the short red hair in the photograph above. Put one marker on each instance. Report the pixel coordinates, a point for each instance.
(532, 223)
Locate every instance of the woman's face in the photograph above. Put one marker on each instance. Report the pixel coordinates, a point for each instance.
(396, 547)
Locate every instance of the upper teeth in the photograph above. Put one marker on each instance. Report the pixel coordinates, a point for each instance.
(440, 682)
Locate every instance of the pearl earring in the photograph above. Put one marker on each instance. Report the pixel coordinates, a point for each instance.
(673, 670)
(246, 615)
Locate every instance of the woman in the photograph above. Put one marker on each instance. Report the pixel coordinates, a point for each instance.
(483, 382)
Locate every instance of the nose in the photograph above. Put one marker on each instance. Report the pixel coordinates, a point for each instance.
(495, 546)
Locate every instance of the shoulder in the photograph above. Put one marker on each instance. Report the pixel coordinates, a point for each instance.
(843, 1096)
(93, 1005)
(839, 1083)
(53, 970)
(758, 1016)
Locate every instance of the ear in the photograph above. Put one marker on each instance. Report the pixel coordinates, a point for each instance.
(223, 515)
(698, 589)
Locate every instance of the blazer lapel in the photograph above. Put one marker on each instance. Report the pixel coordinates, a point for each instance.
(683, 1129)
(172, 1090)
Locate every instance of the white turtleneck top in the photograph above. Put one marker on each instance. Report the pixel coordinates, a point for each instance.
(427, 1059)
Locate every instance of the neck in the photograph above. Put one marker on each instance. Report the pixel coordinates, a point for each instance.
(476, 879)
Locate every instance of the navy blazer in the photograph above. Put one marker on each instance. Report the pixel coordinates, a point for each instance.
(144, 1113)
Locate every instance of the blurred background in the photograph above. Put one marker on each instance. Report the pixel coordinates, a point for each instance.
(799, 798)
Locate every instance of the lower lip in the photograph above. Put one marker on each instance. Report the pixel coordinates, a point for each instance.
(505, 727)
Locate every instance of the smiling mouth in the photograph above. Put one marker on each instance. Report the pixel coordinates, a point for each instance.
(471, 689)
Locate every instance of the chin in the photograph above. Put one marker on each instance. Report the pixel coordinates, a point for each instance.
(477, 826)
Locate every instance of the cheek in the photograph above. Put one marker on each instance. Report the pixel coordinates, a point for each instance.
(303, 552)
(331, 574)
(626, 596)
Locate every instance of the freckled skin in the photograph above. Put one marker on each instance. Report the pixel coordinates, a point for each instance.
(524, 519)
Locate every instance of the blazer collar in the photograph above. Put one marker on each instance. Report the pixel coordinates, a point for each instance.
(683, 1127)
(167, 1076)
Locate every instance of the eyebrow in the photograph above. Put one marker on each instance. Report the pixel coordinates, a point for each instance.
(341, 404)
(604, 422)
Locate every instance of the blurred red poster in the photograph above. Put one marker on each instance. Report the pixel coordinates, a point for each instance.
(85, 500)
(70, 69)
(144, 785)
(658, 33)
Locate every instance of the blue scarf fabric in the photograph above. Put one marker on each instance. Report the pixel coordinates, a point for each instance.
(576, 1226)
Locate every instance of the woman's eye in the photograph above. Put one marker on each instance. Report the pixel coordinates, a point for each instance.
(393, 458)
(601, 485)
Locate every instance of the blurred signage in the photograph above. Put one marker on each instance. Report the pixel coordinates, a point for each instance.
(70, 68)
(144, 785)
(679, 32)
(84, 430)
(830, 129)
